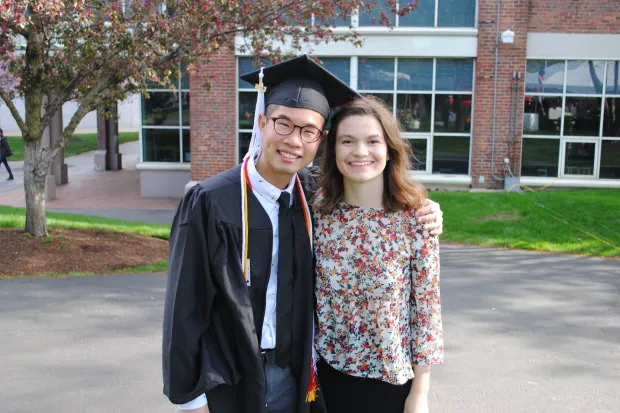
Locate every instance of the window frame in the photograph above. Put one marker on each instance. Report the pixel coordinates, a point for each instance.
(599, 154)
(179, 91)
(562, 137)
(435, 20)
(429, 136)
(595, 167)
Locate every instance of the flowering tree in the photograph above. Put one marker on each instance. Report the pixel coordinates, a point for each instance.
(8, 81)
(96, 52)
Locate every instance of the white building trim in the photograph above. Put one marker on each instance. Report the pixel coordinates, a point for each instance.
(563, 46)
(400, 42)
(163, 166)
(570, 182)
(128, 111)
(441, 179)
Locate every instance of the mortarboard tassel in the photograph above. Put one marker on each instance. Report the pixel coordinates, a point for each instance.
(254, 151)
(256, 143)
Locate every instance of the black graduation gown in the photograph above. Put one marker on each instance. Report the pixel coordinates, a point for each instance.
(212, 319)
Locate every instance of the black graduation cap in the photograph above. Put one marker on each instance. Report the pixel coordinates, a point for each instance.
(302, 83)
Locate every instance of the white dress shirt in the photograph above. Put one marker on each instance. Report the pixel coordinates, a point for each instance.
(267, 195)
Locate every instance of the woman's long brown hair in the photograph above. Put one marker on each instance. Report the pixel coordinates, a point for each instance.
(400, 193)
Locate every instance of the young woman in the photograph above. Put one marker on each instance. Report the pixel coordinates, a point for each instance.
(377, 289)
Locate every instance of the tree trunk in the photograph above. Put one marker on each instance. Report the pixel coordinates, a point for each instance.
(35, 174)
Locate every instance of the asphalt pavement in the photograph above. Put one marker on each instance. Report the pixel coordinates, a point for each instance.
(525, 332)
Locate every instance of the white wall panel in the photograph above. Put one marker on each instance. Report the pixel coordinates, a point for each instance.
(573, 46)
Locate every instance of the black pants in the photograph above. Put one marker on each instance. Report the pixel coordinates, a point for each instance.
(6, 163)
(344, 393)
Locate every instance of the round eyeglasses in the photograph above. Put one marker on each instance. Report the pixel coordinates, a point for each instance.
(285, 127)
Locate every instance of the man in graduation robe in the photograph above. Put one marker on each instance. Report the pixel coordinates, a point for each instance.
(238, 319)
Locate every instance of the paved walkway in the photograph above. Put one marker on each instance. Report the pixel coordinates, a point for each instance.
(524, 333)
(90, 190)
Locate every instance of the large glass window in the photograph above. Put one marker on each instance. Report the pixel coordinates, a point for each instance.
(610, 159)
(579, 158)
(375, 74)
(339, 66)
(582, 116)
(415, 74)
(613, 78)
(611, 119)
(244, 143)
(373, 17)
(540, 157)
(335, 21)
(414, 112)
(453, 113)
(545, 76)
(542, 115)
(451, 155)
(571, 115)
(432, 100)
(161, 109)
(418, 151)
(422, 16)
(165, 121)
(161, 145)
(584, 77)
(456, 13)
(247, 106)
(455, 75)
(427, 13)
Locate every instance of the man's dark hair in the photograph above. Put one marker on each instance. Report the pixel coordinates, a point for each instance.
(269, 110)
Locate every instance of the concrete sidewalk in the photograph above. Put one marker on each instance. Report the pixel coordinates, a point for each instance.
(76, 165)
(525, 332)
(89, 189)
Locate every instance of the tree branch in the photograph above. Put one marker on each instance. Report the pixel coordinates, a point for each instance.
(62, 97)
(14, 28)
(65, 95)
(9, 103)
(87, 105)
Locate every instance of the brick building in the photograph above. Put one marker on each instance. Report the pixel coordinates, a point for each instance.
(475, 106)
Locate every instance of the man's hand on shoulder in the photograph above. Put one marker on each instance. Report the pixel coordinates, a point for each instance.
(431, 216)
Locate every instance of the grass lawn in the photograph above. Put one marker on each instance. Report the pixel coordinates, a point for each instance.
(78, 144)
(577, 222)
(144, 269)
(16, 218)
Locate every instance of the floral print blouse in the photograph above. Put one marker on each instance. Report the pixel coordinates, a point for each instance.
(377, 290)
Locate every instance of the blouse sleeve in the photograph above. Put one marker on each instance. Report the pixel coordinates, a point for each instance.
(426, 321)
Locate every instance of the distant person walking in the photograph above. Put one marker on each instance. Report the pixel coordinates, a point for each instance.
(5, 152)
